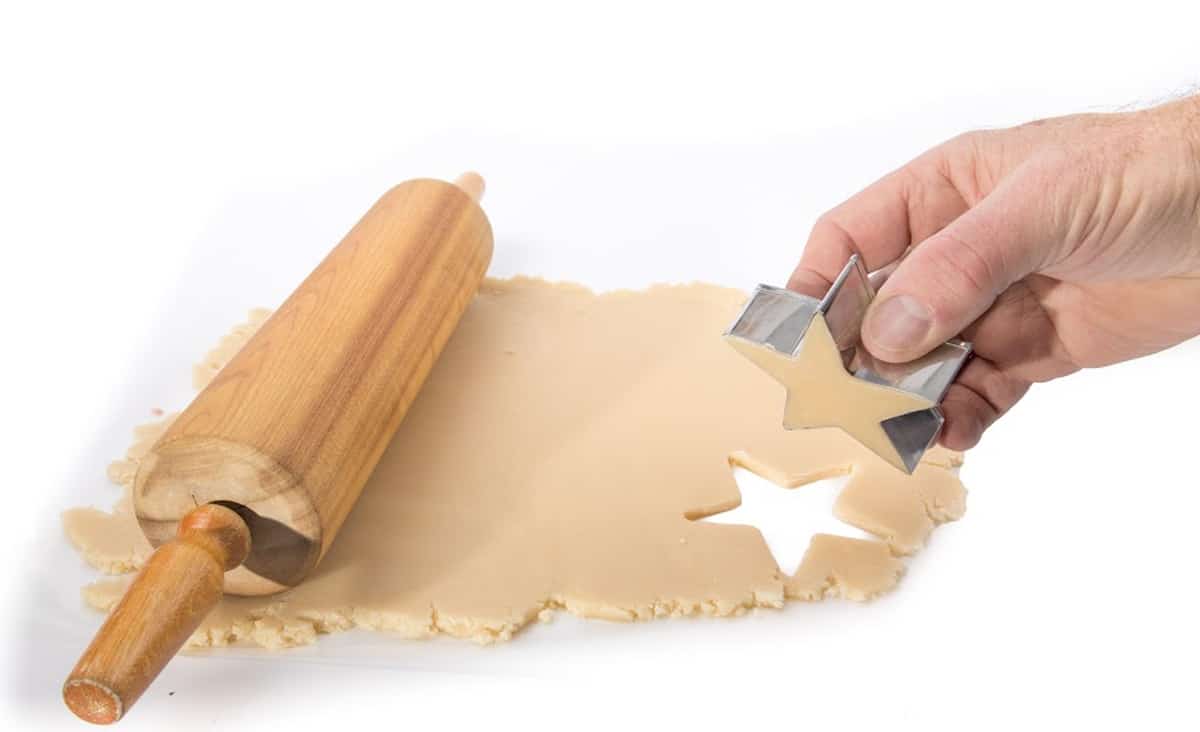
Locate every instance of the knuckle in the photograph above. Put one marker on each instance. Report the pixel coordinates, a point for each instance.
(963, 269)
(826, 222)
(1002, 391)
(831, 232)
(825, 227)
(968, 161)
(971, 139)
(967, 416)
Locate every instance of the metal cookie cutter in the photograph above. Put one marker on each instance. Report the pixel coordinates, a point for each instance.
(779, 318)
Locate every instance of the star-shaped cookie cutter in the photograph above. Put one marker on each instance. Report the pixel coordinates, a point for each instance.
(778, 318)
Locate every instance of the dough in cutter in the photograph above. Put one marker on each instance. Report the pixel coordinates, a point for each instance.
(821, 393)
(557, 458)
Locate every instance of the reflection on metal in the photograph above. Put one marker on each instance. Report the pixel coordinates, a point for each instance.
(779, 318)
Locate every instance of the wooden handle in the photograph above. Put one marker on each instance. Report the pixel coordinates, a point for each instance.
(293, 425)
(180, 584)
(471, 183)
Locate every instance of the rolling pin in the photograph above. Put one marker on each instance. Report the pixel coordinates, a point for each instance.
(246, 490)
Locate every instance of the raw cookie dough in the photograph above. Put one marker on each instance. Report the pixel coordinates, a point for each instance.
(821, 393)
(557, 458)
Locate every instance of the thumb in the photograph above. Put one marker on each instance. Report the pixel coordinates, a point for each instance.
(950, 279)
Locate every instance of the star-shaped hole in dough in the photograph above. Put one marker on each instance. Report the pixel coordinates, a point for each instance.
(789, 518)
(821, 393)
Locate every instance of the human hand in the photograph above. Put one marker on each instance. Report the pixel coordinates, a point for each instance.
(1061, 244)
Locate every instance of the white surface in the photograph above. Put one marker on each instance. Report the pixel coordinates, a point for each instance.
(162, 171)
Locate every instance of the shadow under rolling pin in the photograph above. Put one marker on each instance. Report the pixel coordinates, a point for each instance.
(246, 489)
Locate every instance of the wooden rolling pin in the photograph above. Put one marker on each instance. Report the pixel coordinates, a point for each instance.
(246, 490)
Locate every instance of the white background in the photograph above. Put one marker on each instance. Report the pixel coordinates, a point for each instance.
(164, 169)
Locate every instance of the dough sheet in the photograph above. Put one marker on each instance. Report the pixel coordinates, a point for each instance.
(558, 458)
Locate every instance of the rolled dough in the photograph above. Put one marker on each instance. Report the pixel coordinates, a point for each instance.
(558, 458)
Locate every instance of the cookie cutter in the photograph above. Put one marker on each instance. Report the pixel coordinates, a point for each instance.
(778, 319)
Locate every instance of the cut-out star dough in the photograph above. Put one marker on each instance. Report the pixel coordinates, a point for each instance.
(557, 458)
(821, 393)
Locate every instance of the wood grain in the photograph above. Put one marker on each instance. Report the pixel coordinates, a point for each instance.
(293, 426)
(288, 432)
(178, 586)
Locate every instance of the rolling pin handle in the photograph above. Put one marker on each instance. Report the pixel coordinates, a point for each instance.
(181, 583)
(472, 184)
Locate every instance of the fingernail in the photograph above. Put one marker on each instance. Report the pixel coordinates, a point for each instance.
(898, 323)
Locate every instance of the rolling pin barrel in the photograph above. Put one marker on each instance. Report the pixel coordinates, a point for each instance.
(293, 425)
(246, 489)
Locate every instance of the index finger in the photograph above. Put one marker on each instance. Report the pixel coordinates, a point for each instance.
(880, 222)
